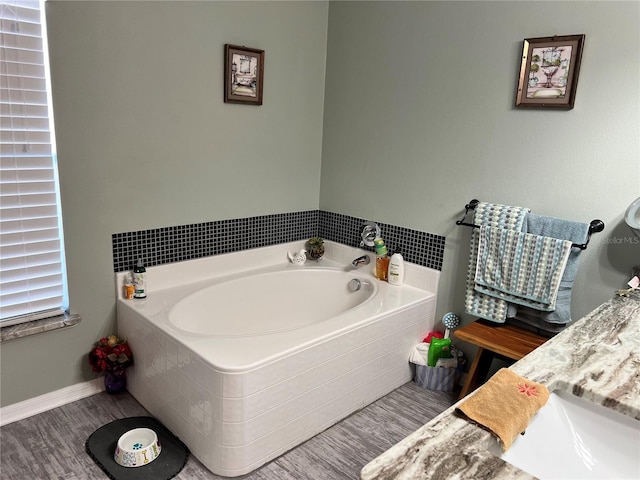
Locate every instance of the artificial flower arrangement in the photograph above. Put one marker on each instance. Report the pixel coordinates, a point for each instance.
(111, 355)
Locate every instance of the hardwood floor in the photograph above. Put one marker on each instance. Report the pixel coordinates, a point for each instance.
(51, 445)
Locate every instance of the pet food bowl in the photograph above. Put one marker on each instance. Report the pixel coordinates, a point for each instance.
(137, 447)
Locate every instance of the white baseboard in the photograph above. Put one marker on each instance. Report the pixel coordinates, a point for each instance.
(33, 406)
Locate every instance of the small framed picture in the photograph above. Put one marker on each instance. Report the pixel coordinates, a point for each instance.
(549, 72)
(243, 75)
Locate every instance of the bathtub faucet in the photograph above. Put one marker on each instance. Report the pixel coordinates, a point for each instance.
(363, 260)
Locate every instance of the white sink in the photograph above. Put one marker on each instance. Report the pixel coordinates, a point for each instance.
(572, 438)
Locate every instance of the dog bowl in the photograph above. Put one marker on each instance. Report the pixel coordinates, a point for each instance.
(137, 447)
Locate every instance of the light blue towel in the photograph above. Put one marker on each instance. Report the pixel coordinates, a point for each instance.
(574, 232)
(520, 267)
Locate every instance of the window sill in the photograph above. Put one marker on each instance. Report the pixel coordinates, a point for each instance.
(38, 326)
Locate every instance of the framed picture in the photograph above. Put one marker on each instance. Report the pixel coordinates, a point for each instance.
(549, 72)
(243, 75)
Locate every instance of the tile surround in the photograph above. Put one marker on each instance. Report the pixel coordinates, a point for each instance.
(186, 242)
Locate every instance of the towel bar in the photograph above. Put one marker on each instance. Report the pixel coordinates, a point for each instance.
(595, 226)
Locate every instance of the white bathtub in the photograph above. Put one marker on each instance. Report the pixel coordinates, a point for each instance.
(248, 362)
(274, 300)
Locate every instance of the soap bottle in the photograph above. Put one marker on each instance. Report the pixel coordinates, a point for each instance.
(140, 280)
(382, 259)
(396, 268)
(129, 287)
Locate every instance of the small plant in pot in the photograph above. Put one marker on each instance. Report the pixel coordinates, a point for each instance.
(315, 248)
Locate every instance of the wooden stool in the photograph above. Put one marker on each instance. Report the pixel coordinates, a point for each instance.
(494, 339)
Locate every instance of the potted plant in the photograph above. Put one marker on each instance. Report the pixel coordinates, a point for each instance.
(315, 248)
(533, 80)
(112, 356)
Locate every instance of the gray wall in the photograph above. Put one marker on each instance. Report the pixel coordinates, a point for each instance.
(419, 119)
(145, 141)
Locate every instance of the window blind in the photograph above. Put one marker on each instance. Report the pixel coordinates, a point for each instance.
(31, 247)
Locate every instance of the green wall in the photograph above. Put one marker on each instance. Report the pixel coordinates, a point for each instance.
(418, 117)
(146, 141)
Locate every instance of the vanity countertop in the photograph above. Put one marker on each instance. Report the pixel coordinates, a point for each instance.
(597, 358)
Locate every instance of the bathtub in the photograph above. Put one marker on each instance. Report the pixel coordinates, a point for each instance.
(270, 301)
(244, 356)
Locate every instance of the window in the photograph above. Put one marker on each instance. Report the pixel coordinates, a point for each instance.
(32, 270)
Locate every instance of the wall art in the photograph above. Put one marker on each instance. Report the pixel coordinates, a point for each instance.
(549, 71)
(243, 74)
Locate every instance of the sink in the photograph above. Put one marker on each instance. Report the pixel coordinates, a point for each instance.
(572, 438)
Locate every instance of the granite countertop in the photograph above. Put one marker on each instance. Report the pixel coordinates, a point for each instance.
(597, 358)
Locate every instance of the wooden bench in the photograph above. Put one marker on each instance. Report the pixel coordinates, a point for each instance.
(494, 339)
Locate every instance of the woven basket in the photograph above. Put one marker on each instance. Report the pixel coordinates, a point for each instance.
(436, 378)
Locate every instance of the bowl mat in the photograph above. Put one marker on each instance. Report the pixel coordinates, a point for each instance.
(101, 446)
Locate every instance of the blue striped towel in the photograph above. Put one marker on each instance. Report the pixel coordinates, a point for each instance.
(497, 216)
(520, 267)
(575, 232)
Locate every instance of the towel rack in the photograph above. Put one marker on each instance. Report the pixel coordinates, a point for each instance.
(595, 226)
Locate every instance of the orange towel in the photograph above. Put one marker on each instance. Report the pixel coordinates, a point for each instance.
(505, 405)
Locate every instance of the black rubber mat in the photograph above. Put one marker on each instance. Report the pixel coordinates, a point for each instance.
(101, 445)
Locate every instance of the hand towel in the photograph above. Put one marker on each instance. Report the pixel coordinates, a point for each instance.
(505, 405)
(575, 232)
(521, 267)
(497, 216)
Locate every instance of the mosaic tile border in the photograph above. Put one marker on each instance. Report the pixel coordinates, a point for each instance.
(417, 247)
(186, 242)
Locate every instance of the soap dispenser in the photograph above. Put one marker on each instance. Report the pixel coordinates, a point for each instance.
(140, 280)
(382, 259)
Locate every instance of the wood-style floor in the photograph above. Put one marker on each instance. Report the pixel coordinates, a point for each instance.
(51, 445)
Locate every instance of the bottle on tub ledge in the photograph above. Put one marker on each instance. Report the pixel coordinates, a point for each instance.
(129, 287)
(140, 280)
(396, 268)
(382, 259)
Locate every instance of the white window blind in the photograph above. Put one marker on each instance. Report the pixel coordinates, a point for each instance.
(31, 246)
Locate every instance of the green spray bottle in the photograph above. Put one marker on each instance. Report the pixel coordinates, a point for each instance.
(438, 348)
